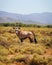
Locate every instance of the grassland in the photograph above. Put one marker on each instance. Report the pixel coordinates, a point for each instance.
(13, 52)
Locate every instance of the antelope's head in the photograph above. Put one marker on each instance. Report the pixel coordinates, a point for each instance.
(17, 29)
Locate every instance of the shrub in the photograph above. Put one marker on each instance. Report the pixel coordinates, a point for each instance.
(3, 58)
(3, 51)
(40, 60)
(31, 49)
(1, 63)
(19, 58)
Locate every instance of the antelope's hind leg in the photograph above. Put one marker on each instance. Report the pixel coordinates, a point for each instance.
(35, 41)
(31, 40)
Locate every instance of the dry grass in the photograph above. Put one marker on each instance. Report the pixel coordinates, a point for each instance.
(29, 53)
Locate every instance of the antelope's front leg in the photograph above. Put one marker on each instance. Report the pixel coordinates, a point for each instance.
(21, 40)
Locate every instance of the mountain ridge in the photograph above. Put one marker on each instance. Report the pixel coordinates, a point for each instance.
(33, 18)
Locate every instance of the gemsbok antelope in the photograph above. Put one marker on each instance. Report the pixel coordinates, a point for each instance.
(25, 34)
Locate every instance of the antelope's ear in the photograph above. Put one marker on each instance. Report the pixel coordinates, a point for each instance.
(13, 27)
(19, 28)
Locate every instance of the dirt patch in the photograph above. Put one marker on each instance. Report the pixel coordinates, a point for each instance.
(48, 53)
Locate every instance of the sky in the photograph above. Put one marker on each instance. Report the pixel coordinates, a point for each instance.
(26, 6)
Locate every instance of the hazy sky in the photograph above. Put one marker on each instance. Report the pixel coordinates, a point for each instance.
(26, 6)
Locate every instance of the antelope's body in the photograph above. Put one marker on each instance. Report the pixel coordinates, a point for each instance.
(25, 34)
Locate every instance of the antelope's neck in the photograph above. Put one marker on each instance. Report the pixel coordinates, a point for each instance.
(17, 32)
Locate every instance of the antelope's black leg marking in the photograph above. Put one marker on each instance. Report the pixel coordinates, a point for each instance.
(21, 40)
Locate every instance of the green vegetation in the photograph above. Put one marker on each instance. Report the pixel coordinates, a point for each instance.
(24, 25)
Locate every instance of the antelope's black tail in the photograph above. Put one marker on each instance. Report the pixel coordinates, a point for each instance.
(34, 37)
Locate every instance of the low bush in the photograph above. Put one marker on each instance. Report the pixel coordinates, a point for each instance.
(3, 51)
(31, 49)
(40, 60)
(19, 58)
(1, 63)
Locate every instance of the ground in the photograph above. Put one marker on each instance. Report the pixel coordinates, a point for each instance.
(13, 52)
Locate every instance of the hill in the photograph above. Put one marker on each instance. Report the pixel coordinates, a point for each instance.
(34, 18)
